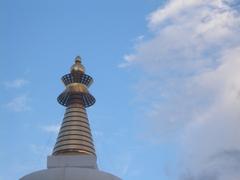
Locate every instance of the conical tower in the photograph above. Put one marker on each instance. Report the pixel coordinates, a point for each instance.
(75, 135)
(73, 156)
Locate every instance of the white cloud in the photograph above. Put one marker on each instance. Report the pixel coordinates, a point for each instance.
(191, 86)
(179, 10)
(128, 60)
(214, 130)
(17, 83)
(206, 29)
(139, 38)
(171, 10)
(52, 128)
(19, 104)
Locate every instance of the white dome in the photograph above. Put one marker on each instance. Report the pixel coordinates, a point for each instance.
(70, 174)
(71, 168)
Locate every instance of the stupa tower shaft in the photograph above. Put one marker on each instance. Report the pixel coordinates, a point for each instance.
(75, 136)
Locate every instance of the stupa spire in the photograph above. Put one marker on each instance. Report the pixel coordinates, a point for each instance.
(75, 136)
(73, 156)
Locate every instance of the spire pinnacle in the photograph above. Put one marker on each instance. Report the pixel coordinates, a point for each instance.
(78, 59)
(78, 67)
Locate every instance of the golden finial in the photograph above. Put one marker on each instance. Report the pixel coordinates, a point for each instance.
(78, 59)
(78, 67)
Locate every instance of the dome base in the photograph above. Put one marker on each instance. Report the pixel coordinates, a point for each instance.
(71, 168)
(70, 173)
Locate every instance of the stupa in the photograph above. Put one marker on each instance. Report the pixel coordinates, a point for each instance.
(73, 156)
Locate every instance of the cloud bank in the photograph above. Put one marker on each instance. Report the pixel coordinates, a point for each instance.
(191, 83)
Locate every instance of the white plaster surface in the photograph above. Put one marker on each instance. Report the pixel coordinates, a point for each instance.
(70, 168)
(83, 161)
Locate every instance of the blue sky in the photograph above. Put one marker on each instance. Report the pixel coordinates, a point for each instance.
(166, 81)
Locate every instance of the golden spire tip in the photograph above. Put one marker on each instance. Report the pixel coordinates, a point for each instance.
(78, 59)
(77, 66)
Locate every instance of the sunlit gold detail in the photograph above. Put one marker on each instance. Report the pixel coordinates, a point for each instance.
(77, 67)
(77, 88)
